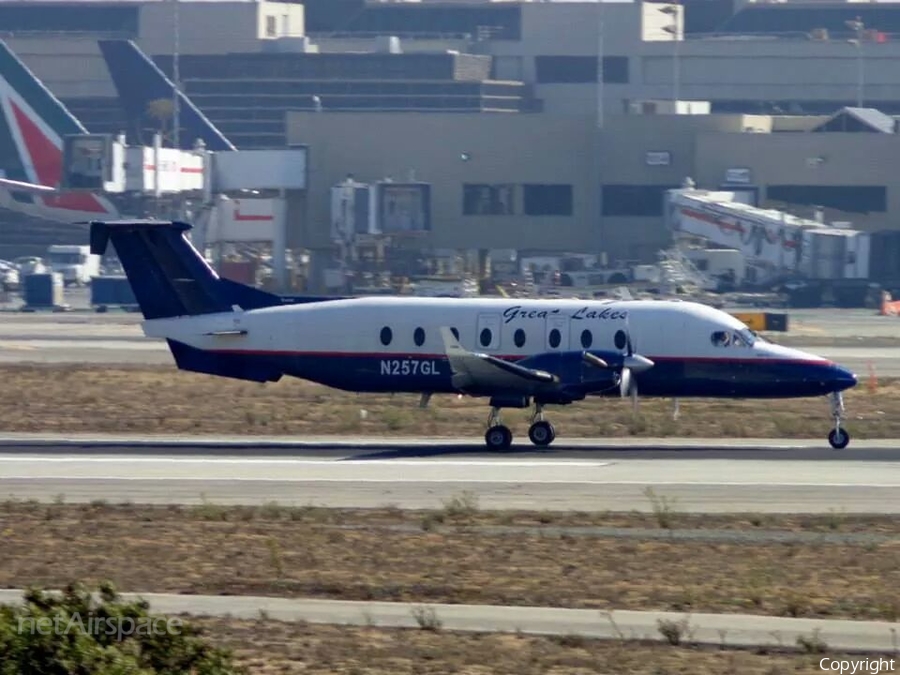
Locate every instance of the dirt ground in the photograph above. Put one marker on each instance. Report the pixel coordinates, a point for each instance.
(288, 552)
(145, 399)
(267, 647)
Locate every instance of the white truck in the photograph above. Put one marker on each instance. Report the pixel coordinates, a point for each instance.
(76, 263)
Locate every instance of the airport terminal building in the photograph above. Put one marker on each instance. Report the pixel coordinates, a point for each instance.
(539, 125)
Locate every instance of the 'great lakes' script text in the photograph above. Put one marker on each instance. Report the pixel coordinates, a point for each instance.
(607, 313)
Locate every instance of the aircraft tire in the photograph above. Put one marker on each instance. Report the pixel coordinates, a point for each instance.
(838, 439)
(498, 438)
(541, 434)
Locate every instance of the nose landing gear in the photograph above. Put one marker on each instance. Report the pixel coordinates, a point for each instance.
(838, 437)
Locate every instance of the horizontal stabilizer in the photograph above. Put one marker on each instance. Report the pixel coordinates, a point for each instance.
(26, 187)
(227, 332)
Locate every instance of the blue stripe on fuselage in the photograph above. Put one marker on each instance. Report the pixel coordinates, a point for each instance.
(414, 373)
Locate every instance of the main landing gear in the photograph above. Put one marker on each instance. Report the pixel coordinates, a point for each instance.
(499, 437)
(838, 437)
(541, 432)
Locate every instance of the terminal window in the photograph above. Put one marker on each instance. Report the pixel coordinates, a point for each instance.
(850, 198)
(580, 69)
(547, 200)
(634, 200)
(488, 200)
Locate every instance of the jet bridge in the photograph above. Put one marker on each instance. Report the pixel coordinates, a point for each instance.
(776, 245)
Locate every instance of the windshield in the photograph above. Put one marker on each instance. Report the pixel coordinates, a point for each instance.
(739, 338)
(747, 336)
(65, 258)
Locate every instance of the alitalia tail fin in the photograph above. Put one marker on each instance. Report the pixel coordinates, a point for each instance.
(33, 126)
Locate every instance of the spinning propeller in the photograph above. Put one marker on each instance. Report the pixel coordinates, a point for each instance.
(631, 363)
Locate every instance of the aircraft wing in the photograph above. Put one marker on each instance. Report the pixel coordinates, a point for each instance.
(10, 184)
(483, 372)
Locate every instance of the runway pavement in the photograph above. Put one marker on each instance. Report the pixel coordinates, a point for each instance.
(736, 630)
(581, 475)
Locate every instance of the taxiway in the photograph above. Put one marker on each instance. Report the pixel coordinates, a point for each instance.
(584, 475)
(734, 630)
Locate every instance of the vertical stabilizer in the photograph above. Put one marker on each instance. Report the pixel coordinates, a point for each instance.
(33, 126)
(139, 82)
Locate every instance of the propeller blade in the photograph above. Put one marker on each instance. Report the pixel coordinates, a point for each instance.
(595, 361)
(625, 382)
(637, 363)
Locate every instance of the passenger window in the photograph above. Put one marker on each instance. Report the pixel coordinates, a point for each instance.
(419, 337)
(720, 338)
(620, 339)
(587, 339)
(485, 337)
(386, 336)
(555, 338)
(519, 338)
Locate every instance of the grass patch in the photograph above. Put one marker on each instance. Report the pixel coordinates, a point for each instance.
(42, 398)
(353, 555)
(268, 647)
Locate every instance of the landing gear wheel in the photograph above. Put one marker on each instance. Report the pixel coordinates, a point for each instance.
(541, 433)
(838, 438)
(498, 437)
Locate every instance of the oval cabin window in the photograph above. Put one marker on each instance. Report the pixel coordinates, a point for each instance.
(519, 338)
(620, 339)
(419, 337)
(386, 336)
(587, 339)
(485, 337)
(555, 338)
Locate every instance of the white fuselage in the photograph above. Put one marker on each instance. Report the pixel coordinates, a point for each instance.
(394, 343)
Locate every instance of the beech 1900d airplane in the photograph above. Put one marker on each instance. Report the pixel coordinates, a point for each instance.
(513, 352)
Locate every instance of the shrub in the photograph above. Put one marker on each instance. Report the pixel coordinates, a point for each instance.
(76, 632)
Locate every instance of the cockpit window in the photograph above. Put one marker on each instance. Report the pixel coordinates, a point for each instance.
(721, 338)
(741, 338)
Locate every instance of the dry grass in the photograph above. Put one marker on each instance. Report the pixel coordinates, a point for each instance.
(267, 647)
(63, 398)
(268, 551)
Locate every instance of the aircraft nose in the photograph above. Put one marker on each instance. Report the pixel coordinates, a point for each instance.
(839, 378)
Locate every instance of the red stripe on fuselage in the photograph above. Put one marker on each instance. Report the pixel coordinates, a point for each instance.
(46, 157)
(515, 357)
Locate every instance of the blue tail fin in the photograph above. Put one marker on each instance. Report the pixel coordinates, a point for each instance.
(139, 82)
(167, 274)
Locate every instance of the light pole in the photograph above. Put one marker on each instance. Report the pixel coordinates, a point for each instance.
(857, 26)
(176, 76)
(676, 30)
(600, 74)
